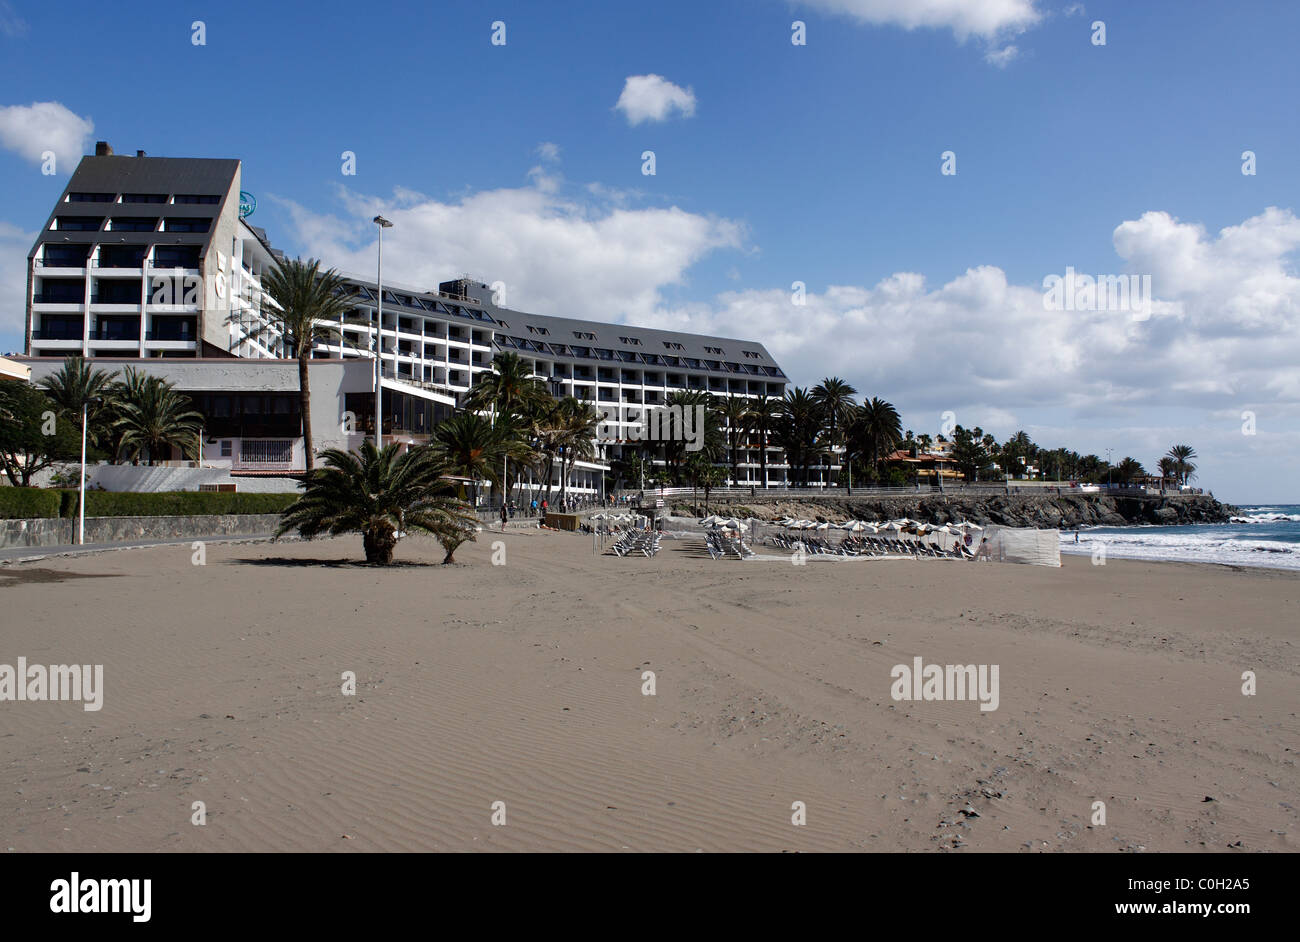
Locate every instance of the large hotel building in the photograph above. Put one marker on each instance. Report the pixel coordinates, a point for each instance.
(150, 262)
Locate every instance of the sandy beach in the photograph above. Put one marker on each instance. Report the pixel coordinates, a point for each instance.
(522, 683)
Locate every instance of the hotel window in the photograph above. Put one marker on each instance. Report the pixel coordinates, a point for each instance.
(181, 224)
(718, 350)
(752, 355)
(144, 197)
(78, 223)
(584, 335)
(631, 341)
(192, 199)
(91, 197)
(132, 224)
(538, 330)
(673, 346)
(227, 448)
(504, 324)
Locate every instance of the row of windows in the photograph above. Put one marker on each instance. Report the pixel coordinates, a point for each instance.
(631, 341)
(130, 224)
(190, 199)
(627, 356)
(435, 307)
(718, 350)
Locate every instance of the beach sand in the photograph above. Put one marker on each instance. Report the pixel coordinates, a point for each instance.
(522, 683)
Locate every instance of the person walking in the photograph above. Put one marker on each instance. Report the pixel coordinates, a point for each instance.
(505, 515)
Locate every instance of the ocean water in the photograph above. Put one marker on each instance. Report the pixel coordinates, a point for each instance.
(1265, 535)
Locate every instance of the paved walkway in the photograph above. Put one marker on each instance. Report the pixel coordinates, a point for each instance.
(21, 553)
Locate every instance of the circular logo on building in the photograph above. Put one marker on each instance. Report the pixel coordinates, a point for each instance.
(247, 204)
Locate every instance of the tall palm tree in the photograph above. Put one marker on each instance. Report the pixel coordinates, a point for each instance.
(576, 432)
(75, 383)
(1183, 466)
(835, 399)
(510, 391)
(379, 494)
(762, 419)
(308, 306)
(152, 417)
(732, 411)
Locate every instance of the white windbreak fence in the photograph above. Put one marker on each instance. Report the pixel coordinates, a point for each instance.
(1032, 547)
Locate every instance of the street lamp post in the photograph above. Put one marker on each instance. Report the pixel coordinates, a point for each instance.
(1109, 467)
(81, 490)
(383, 224)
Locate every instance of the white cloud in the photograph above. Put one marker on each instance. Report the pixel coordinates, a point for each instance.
(582, 257)
(653, 98)
(548, 151)
(31, 130)
(1074, 9)
(984, 18)
(1001, 57)
(1223, 335)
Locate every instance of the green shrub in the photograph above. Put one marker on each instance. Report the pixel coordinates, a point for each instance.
(175, 503)
(24, 503)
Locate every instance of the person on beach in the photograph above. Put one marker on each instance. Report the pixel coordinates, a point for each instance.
(505, 515)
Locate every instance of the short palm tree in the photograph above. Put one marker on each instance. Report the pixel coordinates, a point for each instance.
(875, 431)
(76, 383)
(152, 417)
(379, 494)
(470, 446)
(309, 306)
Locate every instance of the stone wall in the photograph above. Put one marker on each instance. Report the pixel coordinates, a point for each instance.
(1016, 510)
(62, 532)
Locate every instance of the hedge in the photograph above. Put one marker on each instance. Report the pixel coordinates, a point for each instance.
(175, 503)
(18, 503)
(24, 503)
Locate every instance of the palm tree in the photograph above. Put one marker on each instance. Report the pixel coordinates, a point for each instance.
(152, 417)
(800, 429)
(74, 385)
(470, 446)
(763, 417)
(732, 412)
(308, 307)
(876, 430)
(576, 428)
(379, 494)
(510, 391)
(835, 399)
(1183, 466)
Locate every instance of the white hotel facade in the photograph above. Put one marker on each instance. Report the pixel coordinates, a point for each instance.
(147, 262)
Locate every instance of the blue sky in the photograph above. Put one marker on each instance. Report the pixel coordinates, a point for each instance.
(816, 163)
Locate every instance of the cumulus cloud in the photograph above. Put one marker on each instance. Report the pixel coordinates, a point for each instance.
(1223, 333)
(578, 256)
(1223, 337)
(548, 151)
(653, 98)
(31, 130)
(1001, 57)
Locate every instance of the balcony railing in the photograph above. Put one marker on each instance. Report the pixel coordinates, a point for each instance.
(265, 454)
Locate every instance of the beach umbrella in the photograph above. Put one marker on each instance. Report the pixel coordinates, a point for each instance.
(892, 526)
(731, 523)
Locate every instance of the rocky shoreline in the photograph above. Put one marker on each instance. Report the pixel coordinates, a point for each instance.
(1012, 510)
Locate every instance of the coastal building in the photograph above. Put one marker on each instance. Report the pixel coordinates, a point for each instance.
(150, 262)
